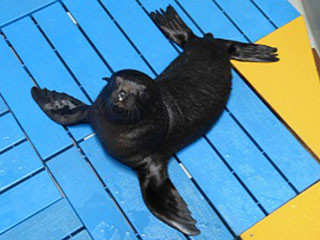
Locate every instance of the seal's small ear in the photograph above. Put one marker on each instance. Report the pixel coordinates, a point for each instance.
(107, 79)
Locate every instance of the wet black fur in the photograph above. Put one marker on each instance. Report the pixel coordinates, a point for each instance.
(143, 122)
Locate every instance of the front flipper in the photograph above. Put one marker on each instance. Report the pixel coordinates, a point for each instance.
(60, 107)
(250, 52)
(163, 199)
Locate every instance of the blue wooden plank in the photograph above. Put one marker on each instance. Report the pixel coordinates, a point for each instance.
(247, 17)
(127, 193)
(10, 132)
(124, 185)
(105, 35)
(83, 235)
(148, 39)
(210, 18)
(288, 154)
(55, 222)
(17, 163)
(248, 162)
(15, 86)
(10, 10)
(279, 11)
(43, 63)
(86, 194)
(3, 107)
(26, 199)
(223, 190)
(65, 36)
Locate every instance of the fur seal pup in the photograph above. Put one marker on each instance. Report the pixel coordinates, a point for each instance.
(142, 122)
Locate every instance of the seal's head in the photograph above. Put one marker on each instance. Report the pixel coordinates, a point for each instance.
(131, 95)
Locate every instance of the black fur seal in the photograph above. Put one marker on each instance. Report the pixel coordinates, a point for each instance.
(142, 122)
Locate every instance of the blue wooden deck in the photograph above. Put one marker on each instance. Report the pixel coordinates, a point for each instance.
(57, 183)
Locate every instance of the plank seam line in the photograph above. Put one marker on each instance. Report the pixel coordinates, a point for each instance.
(85, 158)
(27, 14)
(231, 20)
(30, 216)
(237, 177)
(127, 37)
(264, 14)
(74, 233)
(11, 48)
(105, 62)
(57, 153)
(4, 113)
(264, 153)
(61, 59)
(19, 59)
(7, 148)
(61, 151)
(22, 180)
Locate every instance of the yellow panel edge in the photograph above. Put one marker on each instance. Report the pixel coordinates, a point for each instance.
(299, 219)
(291, 86)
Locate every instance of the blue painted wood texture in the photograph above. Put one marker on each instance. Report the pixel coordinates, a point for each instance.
(86, 194)
(3, 107)
(106, 37)
(11, 10)
(234, 182)
(26, 199)
(10, 132)
(18, 163)
(83, 235)
(280, 12)
(74, 48)
(56, 221)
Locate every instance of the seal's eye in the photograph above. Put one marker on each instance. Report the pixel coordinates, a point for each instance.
(121, 95)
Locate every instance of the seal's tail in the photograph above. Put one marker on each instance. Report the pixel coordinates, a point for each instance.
(172, 26)
(250, 52)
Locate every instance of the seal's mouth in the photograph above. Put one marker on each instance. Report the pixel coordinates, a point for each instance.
(117, 106)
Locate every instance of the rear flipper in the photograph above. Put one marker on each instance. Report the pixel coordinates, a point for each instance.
(60, 107)
(250, 52)
(172, 26)
(163, 199)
